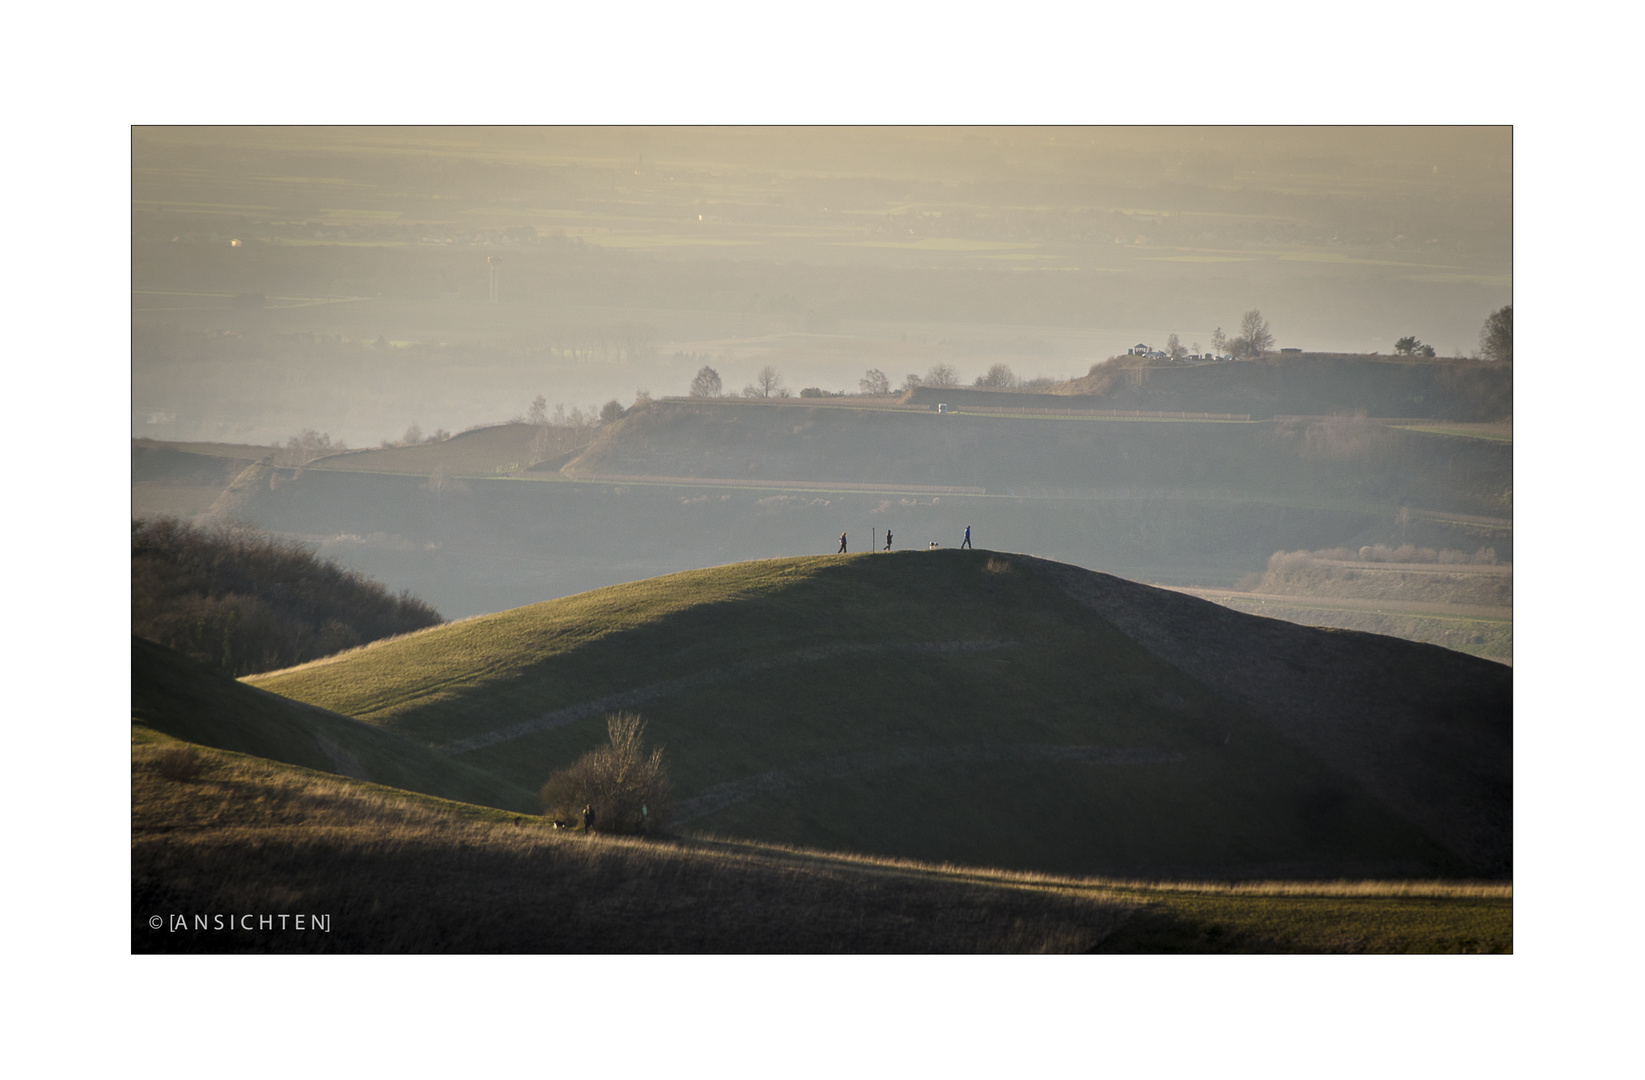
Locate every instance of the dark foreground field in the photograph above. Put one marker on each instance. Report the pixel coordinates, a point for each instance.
(218, 834)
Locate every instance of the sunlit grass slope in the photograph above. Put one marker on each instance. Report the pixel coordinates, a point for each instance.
(389, 872)
(941, 705)
(172, 694)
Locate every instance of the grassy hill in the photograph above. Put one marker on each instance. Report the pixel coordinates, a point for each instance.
(481, 452)
(174, 695)
(1341, 461)
(683, 483)
(215, 832)
(980, 709)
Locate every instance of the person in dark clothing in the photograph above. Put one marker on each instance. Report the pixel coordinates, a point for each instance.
(888, 539)
(588, 817)
(967, 541)
(842, 544)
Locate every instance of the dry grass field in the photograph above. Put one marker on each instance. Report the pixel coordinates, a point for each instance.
(377, 870)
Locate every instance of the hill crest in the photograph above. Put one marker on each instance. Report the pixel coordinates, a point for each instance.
(805, 686)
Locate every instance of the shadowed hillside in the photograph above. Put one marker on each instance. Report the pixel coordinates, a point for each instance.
(172, 694)
(185, 478)
(978, 708)
(358, 868)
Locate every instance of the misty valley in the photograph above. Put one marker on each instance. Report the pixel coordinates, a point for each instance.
(823, 540)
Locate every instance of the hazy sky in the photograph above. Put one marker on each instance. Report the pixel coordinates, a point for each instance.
(342, 278)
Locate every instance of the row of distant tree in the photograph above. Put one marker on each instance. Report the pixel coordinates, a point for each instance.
(874, 383)
(1496, 339)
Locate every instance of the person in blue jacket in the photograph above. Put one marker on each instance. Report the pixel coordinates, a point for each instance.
(967, 541)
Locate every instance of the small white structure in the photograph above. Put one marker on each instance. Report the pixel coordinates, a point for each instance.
(942, 410)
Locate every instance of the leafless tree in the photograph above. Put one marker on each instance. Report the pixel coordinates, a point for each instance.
(874, 382)
(1496, 337)
(942, 375)
(706, 384)
(1255, 338)
(999, 376)
(299, 450)
(768, 383)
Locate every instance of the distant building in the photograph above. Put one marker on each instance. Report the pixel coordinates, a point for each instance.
(1137, 350)
(1298, 351)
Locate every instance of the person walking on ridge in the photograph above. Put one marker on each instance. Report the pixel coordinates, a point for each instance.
(842, 544)
(888, 539)
(967, 541)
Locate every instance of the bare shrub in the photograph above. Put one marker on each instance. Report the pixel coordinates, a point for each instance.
(299, 450)
(1283, 562)
(627, 787)
(178, 763)
(997, 566)
(1344, 435)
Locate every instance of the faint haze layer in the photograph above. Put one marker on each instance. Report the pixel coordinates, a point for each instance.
(355, 281)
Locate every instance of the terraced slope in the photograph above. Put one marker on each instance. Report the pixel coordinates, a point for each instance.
(976, 708)
(1343, 462)
(1313, 384)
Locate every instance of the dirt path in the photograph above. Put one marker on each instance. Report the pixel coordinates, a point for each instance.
(627, 699)
(845, 766)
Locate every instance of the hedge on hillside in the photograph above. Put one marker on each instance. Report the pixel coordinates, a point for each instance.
(242, 601)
